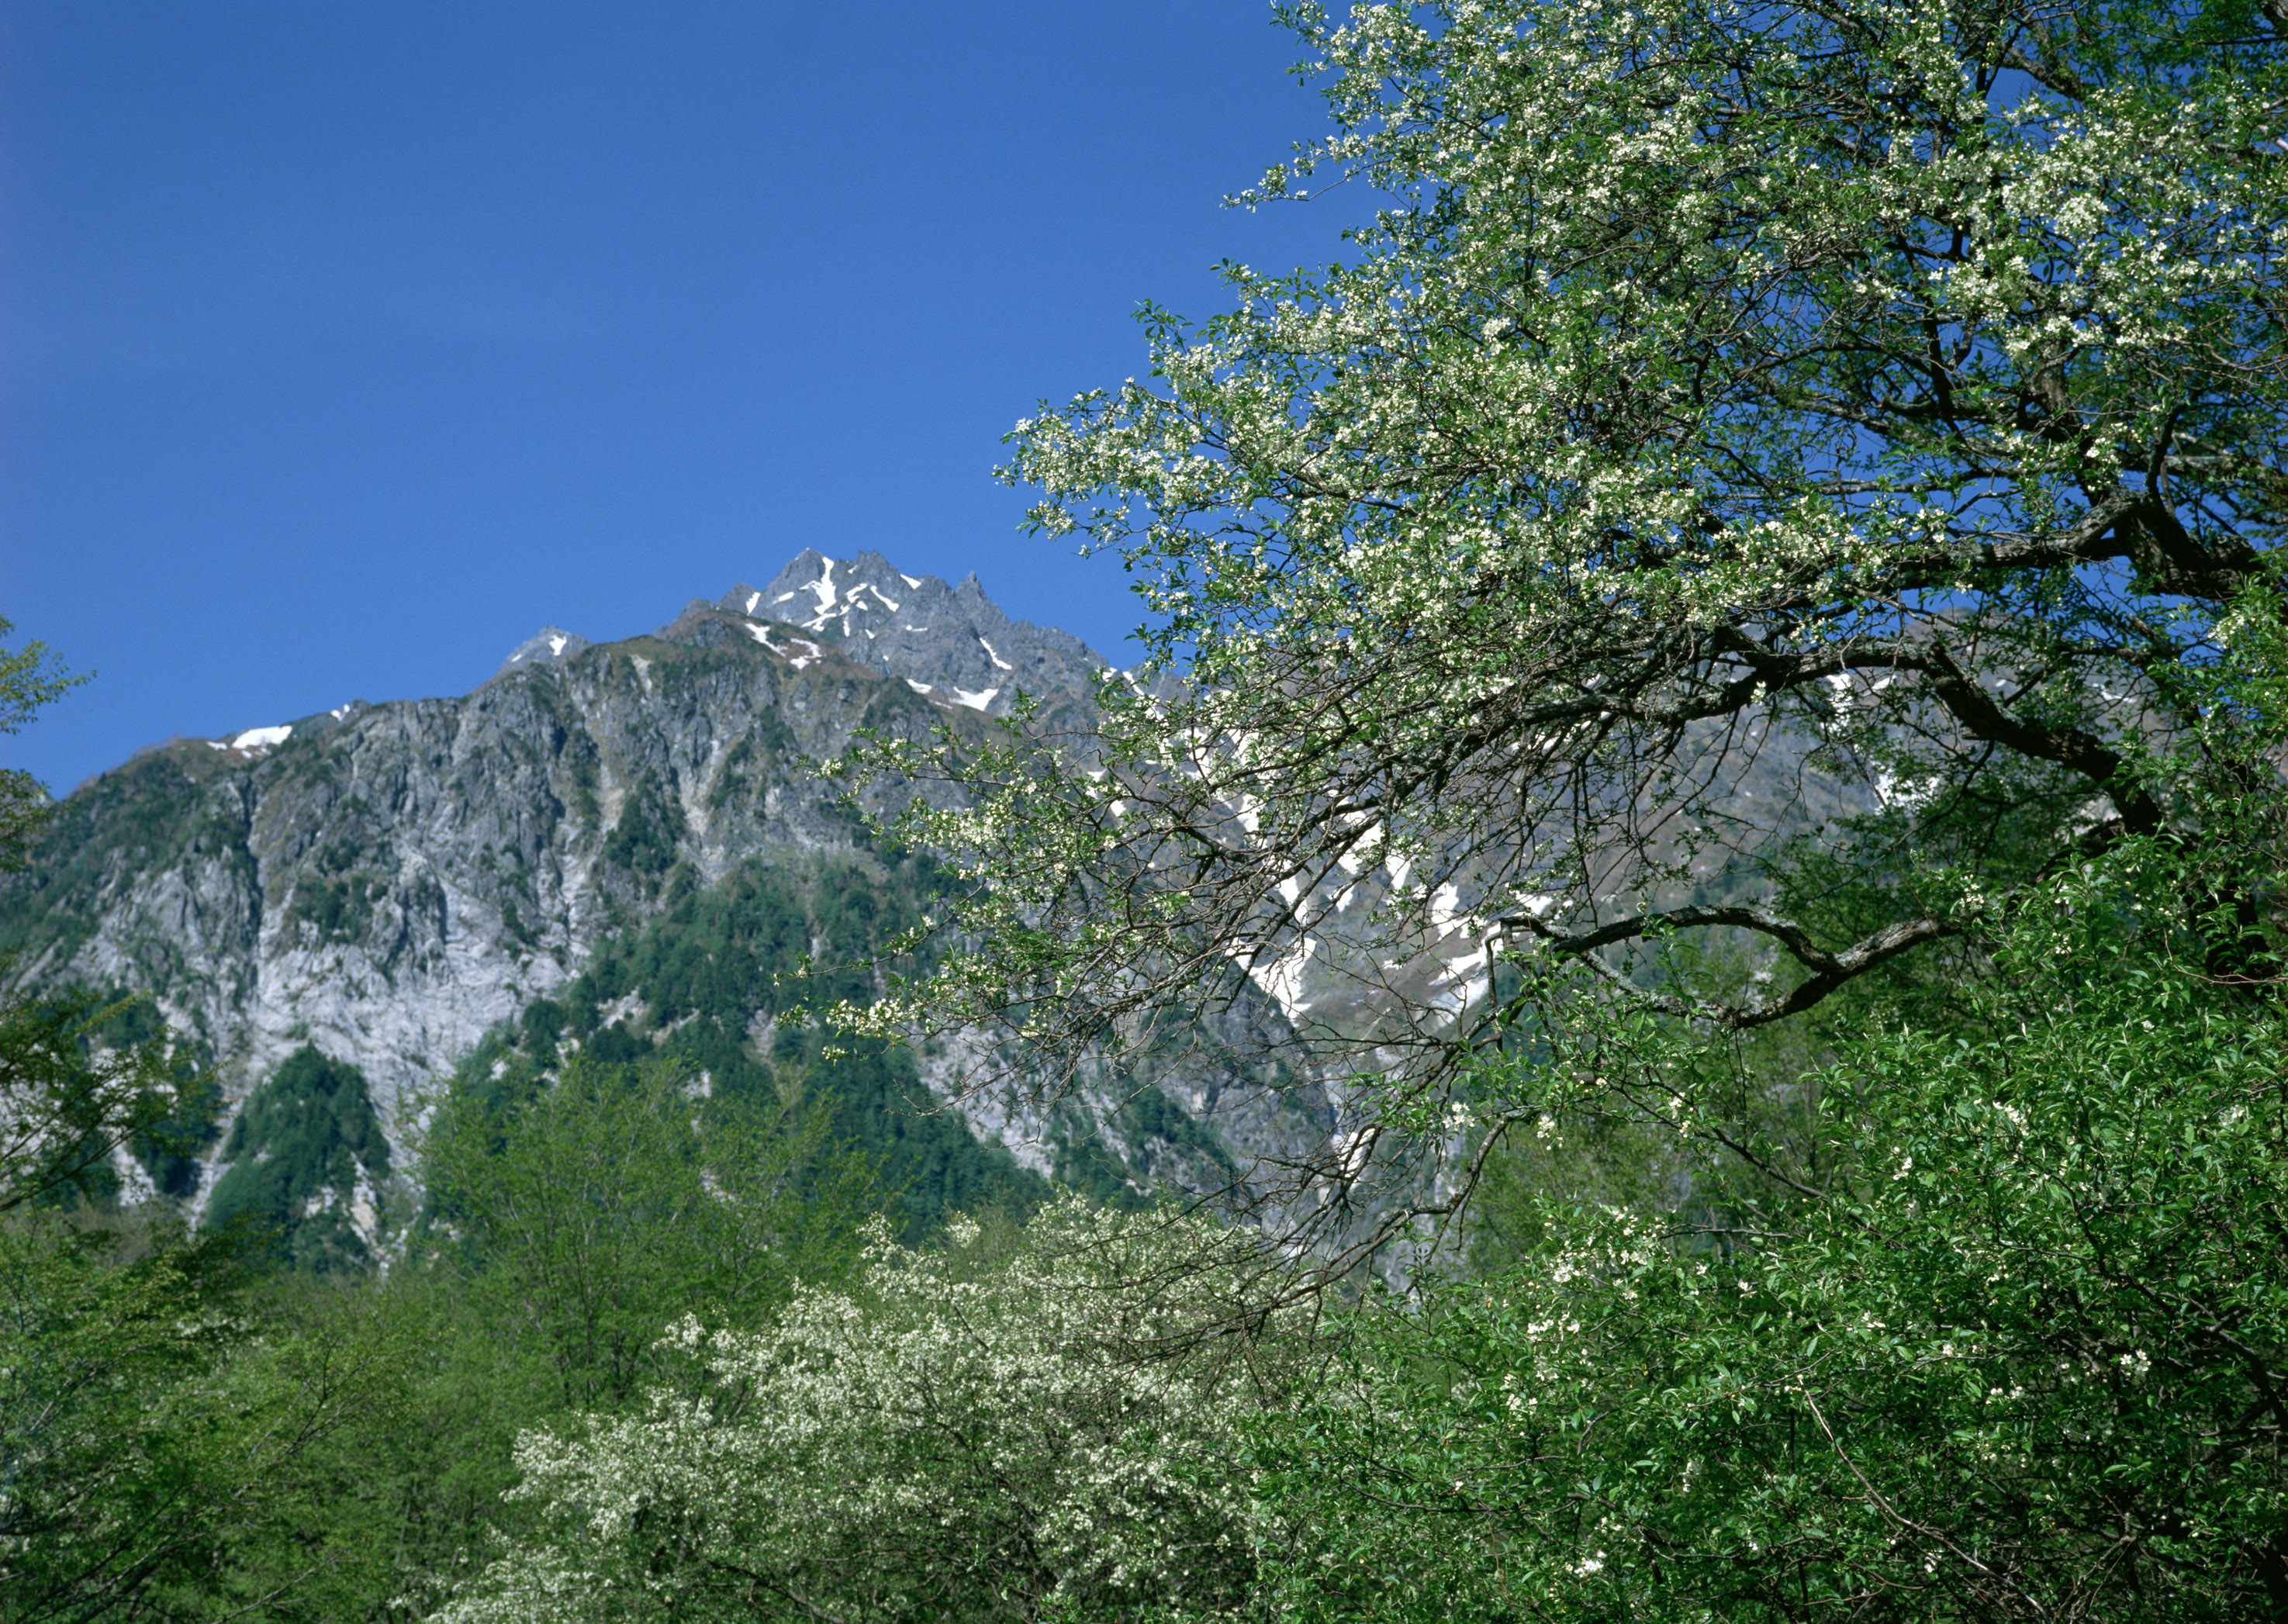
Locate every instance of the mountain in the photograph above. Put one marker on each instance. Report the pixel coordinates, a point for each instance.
(342, 911)
(627, 847)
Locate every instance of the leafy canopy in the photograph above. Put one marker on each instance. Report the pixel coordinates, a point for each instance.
(2025, 1360)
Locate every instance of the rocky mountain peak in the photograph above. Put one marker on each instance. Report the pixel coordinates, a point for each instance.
(550, 645)
(949, 643)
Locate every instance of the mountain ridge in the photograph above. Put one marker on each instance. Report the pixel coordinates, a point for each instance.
(388, 884)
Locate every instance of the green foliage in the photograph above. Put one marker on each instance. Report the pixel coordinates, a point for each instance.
(80, 1077)
(589, 1210)
(2020, 1358)
(571, 1220)
(31, 677)
(305, 1150)
(147, 1422)
(1084, 1163)
(397, 1501)
(644, 842)
(339, 909)
(170, 1146)
(721, 966)
(83, 1472)
(185, 1119)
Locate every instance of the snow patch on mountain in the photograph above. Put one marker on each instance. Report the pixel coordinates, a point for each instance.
(254, 741)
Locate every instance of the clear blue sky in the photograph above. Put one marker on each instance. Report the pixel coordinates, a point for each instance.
(344, 342)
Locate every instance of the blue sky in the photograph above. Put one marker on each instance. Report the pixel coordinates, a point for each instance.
(344, 342)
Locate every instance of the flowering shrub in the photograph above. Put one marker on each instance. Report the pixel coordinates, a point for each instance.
(980, 1430)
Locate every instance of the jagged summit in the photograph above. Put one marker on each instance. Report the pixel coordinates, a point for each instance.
(949, 643)
(550, 645)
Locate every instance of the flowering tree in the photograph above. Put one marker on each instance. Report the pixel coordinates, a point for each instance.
(1776, 476)
(974, 1432)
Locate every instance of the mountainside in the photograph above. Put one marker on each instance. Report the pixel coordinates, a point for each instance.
(627, 847)
(382, 888)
